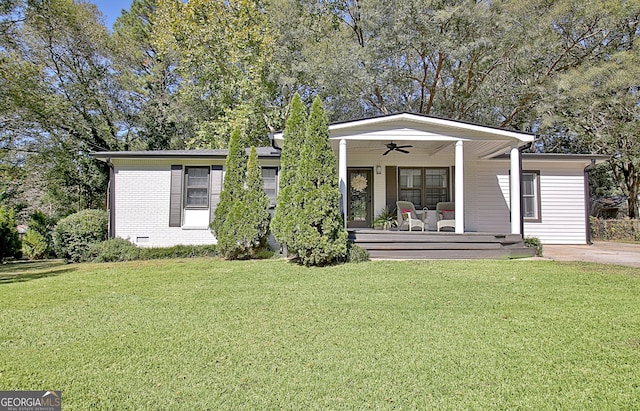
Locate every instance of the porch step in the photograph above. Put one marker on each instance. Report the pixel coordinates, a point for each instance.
(432, 245)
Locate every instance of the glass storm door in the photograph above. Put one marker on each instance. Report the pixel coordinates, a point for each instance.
(359, 210)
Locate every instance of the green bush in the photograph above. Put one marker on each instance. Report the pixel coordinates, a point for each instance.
(119, 249)
(534, 242)
(75, 235)
(9, 241)
(251, 233)
(318, 236)
(356, 254)
(178, 251)
(114, 249)
(283, 223)
(230, 210)
(35, 246)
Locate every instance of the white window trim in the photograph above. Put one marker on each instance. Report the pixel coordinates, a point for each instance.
(536, 196)
(187, 187)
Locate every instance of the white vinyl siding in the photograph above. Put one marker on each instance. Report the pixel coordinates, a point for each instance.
(562, 206)
(486, 186)
(562, 203)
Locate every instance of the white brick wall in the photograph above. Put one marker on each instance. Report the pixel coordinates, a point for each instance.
(142, 208)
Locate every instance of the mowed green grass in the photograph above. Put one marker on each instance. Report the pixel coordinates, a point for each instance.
(209, 334)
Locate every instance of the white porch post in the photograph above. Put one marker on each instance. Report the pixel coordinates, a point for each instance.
(459, 213)
(514, 190)
(342, 178)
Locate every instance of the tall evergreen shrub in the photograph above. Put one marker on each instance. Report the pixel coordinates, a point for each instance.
(232, 187)
(250, 214)
(319, 237)
(283, 222)
(241, 219)
(9, 239)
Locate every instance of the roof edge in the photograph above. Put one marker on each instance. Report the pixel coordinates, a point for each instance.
(520, 135)
(263, 152)
(598, 158)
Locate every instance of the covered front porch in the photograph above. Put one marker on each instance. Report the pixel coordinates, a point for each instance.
(425, 160)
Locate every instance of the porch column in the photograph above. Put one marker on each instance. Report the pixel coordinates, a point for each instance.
(459, 213)
(342, 178)
(514, 190)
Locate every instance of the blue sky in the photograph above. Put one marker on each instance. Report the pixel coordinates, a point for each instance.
(111, 9)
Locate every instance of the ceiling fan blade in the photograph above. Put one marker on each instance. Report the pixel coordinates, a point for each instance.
(387, 152)
(407, 146)
(402, 151)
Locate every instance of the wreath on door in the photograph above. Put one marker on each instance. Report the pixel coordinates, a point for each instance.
(359, 183)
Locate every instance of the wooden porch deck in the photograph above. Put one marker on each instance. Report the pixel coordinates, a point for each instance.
(439, 245)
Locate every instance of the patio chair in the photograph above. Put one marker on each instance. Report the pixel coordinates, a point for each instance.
(446, 215)
(408, 216)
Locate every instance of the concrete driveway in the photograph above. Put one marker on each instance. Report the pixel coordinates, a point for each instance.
(599, 252)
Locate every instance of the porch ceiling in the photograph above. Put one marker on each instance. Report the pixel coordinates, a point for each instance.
(477, 149)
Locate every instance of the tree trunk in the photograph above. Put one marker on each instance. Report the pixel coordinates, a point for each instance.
(633, 206)
(634, 190)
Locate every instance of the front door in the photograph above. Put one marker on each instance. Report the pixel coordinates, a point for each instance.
(360, 188)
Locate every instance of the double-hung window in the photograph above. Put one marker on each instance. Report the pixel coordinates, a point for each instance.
(424, 187)
(270, 180)
(531, 196)
(196, 187)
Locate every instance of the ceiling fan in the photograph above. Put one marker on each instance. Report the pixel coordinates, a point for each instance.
(393, 146)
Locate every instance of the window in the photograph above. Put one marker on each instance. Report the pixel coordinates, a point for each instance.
(531, 196)
(197, 187)
(270, 180)
(424, 187)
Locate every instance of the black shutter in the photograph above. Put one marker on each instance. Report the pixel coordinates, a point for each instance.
(391, 176)
(216, 188)
(175, 197)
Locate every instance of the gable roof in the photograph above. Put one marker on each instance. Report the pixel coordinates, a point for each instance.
(423, 128)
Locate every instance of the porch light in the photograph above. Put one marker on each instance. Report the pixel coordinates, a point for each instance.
(378, 169)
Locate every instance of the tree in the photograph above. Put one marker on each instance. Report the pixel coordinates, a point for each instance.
(224, 225)
(283, 220)
(9, 240)
(60, 99)
(156, 117)
(600, 105)
(255, 217)
(225, 50)
(481, 61)
(319, 236)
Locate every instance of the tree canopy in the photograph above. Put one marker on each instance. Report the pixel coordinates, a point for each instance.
(176, 74)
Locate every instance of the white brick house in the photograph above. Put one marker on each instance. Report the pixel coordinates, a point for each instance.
(165, 198)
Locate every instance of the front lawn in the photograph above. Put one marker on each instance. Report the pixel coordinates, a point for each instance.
(209, 334)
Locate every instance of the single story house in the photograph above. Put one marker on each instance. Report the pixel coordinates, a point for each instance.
(164, 198)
